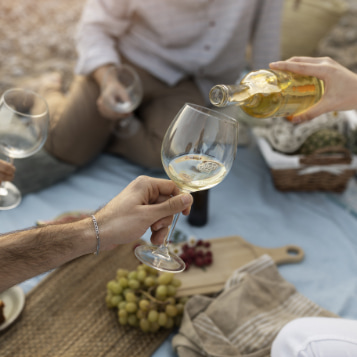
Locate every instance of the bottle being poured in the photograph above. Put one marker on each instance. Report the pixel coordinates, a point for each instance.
(270, 93)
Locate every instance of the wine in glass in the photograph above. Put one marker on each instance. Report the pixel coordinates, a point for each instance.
(24, 121)
(197, 153)
(131, 94)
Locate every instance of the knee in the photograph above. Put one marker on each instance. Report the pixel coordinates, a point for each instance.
(291, 338)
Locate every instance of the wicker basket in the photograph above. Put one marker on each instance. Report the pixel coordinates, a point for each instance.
(327, 169)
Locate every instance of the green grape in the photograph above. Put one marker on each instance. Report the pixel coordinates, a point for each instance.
(130, 297)
(161, 292)
(116, 299)
(133, 320)
(171, 300)
(123, 282)
(179, 308)
(144, 325)
(108, 300)
(171, 290)
(114, 287)
(131, 307)
(122, 305)
(123, 313)
(122, 273)
(126, 291)
(165, 278)
(140, 314)
(142, 275)
(153, 271)
(141, 267)
(162, 319)
(153, 315)
(169, 323)
(144, 305)
(150, 281)
(134, 284)
(133, 275)
(154, 326)
(123, 320)
(176, 282)
(171, 310)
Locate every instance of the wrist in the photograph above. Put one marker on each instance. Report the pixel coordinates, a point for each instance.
(102, 75)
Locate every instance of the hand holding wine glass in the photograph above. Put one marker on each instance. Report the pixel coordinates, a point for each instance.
(24, 121)
(197, 153)
(122, 93)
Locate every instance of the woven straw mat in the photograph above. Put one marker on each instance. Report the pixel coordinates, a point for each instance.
(66, 314)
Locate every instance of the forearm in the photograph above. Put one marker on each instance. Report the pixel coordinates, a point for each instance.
(25, 254)
(101, 74)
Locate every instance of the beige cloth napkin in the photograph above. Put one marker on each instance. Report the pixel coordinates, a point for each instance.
(245, 318)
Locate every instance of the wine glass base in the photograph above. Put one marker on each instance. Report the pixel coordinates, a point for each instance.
(10, 196)
(155, 258)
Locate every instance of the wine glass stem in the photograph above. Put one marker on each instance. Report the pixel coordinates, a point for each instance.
(171, 231)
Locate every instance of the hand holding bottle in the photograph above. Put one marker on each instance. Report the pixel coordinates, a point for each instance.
(340, 84)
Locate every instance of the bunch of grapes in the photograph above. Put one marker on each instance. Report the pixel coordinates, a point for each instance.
(146, 299)
(198, 254)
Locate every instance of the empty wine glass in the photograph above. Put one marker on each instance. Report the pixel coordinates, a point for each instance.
(24, 121)
(130, 98)
(197, 153)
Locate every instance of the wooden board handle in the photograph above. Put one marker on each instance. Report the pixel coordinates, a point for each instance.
(286, 254)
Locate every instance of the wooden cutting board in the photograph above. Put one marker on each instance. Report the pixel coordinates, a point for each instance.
(230, 253)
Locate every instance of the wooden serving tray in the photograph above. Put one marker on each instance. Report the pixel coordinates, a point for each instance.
(230, 253)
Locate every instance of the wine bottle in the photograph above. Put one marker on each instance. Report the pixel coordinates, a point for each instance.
(199, 209)
(270, 93)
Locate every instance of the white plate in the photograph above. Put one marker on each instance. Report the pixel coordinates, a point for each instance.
(14, 300)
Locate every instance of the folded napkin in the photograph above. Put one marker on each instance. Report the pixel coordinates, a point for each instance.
(245, 318)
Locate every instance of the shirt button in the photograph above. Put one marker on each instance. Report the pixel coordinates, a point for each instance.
(207, 47)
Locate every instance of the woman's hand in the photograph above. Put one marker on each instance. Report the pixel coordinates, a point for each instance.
(111, 92)
(145, 203)
(7, 171)
(340, 84)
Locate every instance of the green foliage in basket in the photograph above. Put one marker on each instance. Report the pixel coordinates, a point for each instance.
(320, 139)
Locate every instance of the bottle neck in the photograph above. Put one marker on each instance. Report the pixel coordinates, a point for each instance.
(223, 95)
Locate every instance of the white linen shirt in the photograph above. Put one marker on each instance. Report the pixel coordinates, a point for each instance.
(173, 39)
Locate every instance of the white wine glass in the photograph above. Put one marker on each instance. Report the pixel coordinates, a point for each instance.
(131, 98)
(197, 153)
(24, 119)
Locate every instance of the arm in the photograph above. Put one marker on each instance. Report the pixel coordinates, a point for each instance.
(340, 84)
(145, 203)
(266, 36)
(7, 171)
(101, 25)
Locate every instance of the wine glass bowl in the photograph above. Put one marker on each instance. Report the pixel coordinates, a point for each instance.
(197, 153)
(24, 121)
(133, 92)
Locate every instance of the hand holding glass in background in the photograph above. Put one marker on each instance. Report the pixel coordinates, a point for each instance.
(122, 93)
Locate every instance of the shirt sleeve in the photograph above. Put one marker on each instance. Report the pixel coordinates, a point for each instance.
(101, 24)
(266, 35)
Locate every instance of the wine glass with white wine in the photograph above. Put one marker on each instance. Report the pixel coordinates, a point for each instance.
(197, 153)
(131, 94)
(24, 119)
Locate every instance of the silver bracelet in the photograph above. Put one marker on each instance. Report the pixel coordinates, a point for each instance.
(97, 234)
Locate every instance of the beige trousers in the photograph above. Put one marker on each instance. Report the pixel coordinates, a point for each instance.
(78, 133)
